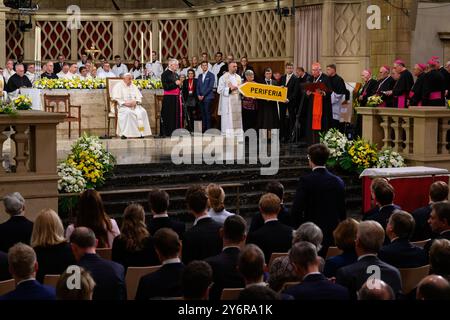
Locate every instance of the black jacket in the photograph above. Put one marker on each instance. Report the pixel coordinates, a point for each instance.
(16, 229)
(381, 215)
(318, 287)
(284, 217)
(134, 258)
(166, 282)
(53, 259)
(368, 90)
(154, 224)
(402, 254)
(293, 89)
(422, 231)
(4, 270)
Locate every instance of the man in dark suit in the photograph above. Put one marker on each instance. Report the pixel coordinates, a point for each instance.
(4, 270)
(400, 253)
(59, 65)
(17, 228)
(158, 204)
(166, 282)
(289, 80)
(440, 258)
(369, 239)
(109, 276)
(384, 197)
(439, 222)
(205, 94)
(273, 236)
(251, 264)
(438, 192)
(314, 285)
(284, 216)
(320, 196)
(203, 239)
(224, 265)
(433, 287)
(196, 280)
(374, 289)
(23, 267)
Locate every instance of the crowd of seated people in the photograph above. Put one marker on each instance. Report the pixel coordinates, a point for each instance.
(221, 251)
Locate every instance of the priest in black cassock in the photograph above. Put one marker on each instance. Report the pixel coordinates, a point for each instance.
(416, 95)
(319, 114)
(268, 113)
(18, 80)
(385, 84)
(171, 111)
(368, 89)
(403, 86)
(433, 86)
(445, 71)
(340, 94)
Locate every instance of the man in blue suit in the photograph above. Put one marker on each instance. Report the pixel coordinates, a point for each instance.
(205, 86)
(320, 196)
(23, 267)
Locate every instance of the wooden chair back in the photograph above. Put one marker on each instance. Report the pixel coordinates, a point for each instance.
(7, 286)
(51, 279)
(276, 255)
(105, 253)
(231, 293)
(134, 275)
(333, 251)
(412, 276)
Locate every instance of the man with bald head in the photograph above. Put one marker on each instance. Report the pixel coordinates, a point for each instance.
(18, 80)
(375, 289)
(403, 85)
(433, 287)
(385, 83)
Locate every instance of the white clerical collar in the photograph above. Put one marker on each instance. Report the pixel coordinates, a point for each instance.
(318, 167)
(367, 255)
(161, 215)
(270, 220)
(309, 274)
(445, 231)
(26, 280)
(171, 261)
(227, 247)
(200, 218)
(387, 205)
(261, 284)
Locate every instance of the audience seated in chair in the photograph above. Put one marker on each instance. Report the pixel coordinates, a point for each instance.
(53, 252)
(159, 204)
(84, 292)
(375, 289)
(134, 246)
(314, 285)
(216, 201)
(369, 239)
(258, 293)
(23, 267)
(224, 265)
(91, 214)
(109, 276)
(165, 282)
(438, 192)
(440, 258)
(344, 238)
(4, 270)
(439, 222)
(400, 252)
(433, 287)
(203, 239)
(196, 281)
(282, 270)
(273, 236)
(251, 265)
(18, 228)
(284, 216)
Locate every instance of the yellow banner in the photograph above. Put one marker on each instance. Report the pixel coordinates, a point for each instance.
(263, 91)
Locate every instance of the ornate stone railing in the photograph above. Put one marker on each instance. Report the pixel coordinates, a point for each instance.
(420, 134)
(32, 154)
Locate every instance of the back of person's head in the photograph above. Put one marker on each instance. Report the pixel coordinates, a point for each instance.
(370, 236)
(158, 201)
(83, 238)
(234, 229)
(318, 154)
(276, 188)
(14, 203)
(22, 261)
(197, 199)
(196, 280)
(251, 263)
(345, 234)
(309, 232)
(134, 231)
(269, 204)
(81, 288)
(375, 289)
(439, 191)
(375, 183)
(48, 229)
(433, 287)
(303, 254)
(442, 211)
(384, 193)
(91, 214)
(402, 224)
(216, 197)
(167, 243)
(257, 293)
(440, 257)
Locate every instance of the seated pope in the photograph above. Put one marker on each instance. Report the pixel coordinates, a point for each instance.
(132, 118)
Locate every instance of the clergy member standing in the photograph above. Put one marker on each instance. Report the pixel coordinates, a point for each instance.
(385, 83)
(230, 101)
(403, 85)
(340, 94)
(433, 86)
(415, 96)
(171, 112)
(132, 117)
(154, 68)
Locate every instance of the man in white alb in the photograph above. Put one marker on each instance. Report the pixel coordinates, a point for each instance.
(217, 66)
(230, 101)
(154, 68)
(132, 117)
(119, 69)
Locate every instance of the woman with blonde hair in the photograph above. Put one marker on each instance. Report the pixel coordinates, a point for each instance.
(134, 247)
(53, 252)
(216, 200)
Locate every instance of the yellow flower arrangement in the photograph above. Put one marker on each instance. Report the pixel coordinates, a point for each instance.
(77, 83)
(360, 155)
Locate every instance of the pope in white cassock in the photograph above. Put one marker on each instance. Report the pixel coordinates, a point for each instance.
(132, 117)
(230, 101)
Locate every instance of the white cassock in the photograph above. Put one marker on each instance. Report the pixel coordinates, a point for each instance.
(215, 69)
(119, 71)
(132, 122)
(230, 104)
(336, 104)
(102, 74)
(68, 75)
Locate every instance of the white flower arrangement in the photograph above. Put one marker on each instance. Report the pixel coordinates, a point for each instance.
(71, 179)
(336, 142)
(388, 158)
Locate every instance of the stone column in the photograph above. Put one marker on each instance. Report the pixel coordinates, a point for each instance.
(327, 31)
(445, 38)
(118, 32)
(155, 38)
(192, 37)
(3, 11)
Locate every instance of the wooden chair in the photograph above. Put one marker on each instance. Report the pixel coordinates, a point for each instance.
(412, 276)
(333, 251)
(52, 104)
(289, 284)
(231, 293)
(111, 109)
(276, 255)
(7, 286)
(134, 275)
(158, 107)
(51, 279)
(420, 243)
(105, 253)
